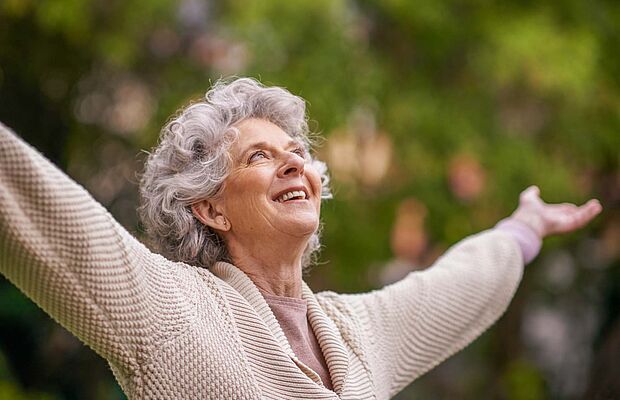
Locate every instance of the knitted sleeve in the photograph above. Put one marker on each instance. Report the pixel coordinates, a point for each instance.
(411, 326)
(67, 253)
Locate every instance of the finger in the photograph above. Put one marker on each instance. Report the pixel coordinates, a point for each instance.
(587, 212)
(594, 207)
(577, 217)
(565, 207)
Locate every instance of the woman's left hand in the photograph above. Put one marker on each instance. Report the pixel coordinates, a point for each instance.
(547, 219)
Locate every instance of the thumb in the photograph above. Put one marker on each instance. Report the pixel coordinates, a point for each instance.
(531, 193)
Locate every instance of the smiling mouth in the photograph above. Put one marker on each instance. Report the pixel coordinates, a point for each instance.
(291, 195)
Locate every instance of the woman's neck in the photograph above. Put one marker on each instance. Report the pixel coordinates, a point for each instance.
(277, 285)
(274, 269)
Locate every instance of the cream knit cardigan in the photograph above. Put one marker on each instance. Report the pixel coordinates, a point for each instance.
(174, 331)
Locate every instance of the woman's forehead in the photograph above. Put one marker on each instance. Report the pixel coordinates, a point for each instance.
(261, 133)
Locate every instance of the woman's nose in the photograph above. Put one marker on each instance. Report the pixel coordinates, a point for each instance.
(293, 164)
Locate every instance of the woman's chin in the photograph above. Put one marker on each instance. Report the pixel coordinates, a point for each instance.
(301, 226)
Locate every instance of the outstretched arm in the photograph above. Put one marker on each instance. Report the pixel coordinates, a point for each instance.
(416, 323)
(67, 253)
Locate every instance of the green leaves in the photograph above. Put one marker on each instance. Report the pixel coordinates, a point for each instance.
(537, 50)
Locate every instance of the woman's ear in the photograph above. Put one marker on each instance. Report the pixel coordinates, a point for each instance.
(208, 214)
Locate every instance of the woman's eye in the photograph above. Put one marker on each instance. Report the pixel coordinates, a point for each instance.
(300, 152)
(257, 155)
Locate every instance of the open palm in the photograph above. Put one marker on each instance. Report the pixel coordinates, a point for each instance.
(547, 219)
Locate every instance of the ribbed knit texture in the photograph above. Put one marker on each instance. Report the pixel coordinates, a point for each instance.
(292, 316)
(173, 331)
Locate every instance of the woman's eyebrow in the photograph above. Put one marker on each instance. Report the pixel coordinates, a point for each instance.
(253, 146)
(294, 143)
(267, 145)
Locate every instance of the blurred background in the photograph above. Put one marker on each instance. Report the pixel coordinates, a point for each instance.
(435, 114)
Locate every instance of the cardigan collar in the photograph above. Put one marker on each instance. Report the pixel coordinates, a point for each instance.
(325, 330)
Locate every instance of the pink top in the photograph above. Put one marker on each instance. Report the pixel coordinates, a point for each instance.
(292, 315)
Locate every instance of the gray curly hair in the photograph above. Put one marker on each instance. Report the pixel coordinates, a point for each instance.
(192, 161)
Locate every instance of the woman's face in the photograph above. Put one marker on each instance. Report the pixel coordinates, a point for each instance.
(273, 187)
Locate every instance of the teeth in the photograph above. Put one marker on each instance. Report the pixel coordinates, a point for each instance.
(290, 195)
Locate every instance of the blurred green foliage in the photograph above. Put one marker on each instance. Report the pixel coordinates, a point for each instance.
(455, 106)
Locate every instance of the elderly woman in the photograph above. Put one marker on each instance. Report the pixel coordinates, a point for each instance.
(232, 199)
